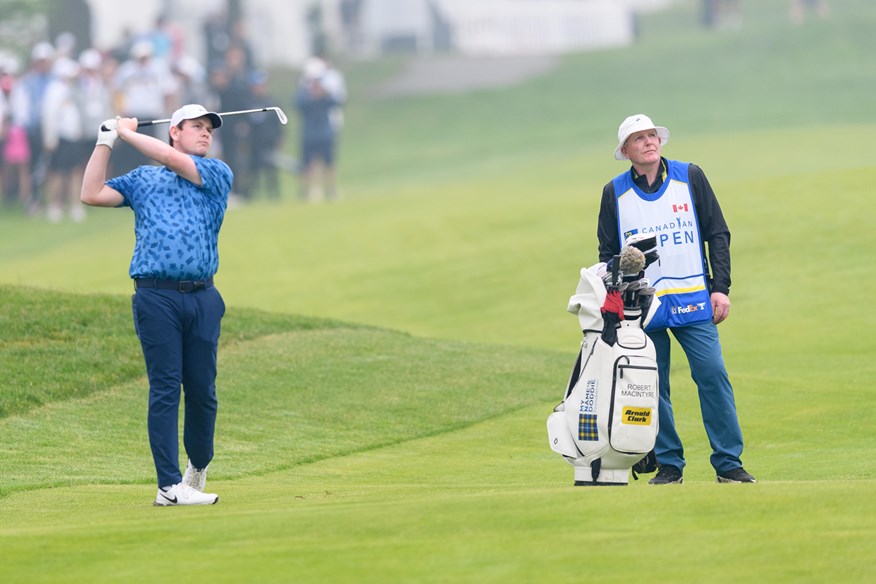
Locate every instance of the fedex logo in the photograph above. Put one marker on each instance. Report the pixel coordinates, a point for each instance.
(688, 309)
(679, 208)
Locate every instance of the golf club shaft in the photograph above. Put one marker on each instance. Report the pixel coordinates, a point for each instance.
(276, 110)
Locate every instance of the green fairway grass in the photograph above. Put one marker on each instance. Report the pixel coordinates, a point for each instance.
(449, 508)
(387, 362)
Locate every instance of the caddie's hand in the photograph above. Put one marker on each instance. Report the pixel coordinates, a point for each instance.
(720, 307)
(107, 134)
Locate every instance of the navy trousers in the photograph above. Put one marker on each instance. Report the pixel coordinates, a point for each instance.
(703, 349)
(179, 334)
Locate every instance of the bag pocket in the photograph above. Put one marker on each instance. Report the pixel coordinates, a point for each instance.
(635, 397)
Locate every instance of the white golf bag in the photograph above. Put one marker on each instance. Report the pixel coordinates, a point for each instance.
(607, 421)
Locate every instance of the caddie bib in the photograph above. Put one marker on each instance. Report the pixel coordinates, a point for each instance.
(680, 274)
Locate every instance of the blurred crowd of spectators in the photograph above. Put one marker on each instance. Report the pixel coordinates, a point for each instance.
(51, 107)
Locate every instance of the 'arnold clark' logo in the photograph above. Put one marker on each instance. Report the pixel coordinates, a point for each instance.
(636, 416)
(689, 308)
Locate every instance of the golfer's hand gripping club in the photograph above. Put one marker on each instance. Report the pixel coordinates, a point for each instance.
(108, 133)
(104, 127)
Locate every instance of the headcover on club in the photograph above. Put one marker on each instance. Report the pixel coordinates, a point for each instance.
(647, 244)
(632, 261)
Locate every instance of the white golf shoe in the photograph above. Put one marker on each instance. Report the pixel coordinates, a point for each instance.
(196, 478)
(183, 494)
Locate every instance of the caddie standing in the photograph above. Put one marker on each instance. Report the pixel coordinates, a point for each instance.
(675, 201)
(178, 208)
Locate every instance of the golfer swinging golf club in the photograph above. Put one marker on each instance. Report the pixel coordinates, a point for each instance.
(178, 209)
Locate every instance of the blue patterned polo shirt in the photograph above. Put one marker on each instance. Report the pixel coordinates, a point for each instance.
(176, 223)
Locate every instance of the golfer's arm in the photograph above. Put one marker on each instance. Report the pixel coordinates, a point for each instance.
(94, 191)
(163, 153)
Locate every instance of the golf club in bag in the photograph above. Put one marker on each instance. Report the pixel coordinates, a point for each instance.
(608, 420)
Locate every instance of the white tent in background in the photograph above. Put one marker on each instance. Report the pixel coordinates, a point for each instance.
(525, 27)
(499, 27)
(279, 32)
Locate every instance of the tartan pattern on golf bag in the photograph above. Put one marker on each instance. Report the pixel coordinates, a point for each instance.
(587, 429)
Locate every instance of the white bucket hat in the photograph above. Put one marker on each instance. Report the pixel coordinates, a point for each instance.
(633, 124)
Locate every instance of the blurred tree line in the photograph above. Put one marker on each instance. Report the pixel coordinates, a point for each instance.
(22, 23)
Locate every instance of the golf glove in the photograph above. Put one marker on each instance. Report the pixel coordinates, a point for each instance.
(614, 304)
(108, 133)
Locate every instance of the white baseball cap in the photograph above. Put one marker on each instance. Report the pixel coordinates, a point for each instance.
(90, 59)
(42, 51)
(193, 111)
(66, 68)
(142, 49)
(633, 124)
(314, 68)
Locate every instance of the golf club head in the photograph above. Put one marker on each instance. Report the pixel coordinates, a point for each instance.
(282, 117)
